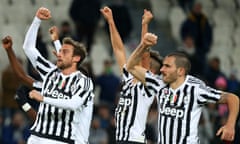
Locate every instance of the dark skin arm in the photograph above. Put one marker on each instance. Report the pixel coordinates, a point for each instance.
(17, 68)
(19, 71)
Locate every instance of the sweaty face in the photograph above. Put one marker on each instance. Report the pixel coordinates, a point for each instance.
(65, 57)
(169, 70)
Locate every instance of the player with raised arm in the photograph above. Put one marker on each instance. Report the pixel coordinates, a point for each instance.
(66, 99)
(181, 97)
(132, 110)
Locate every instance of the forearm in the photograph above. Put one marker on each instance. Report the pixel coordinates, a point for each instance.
(144, 29)
(32, 114)
(72, 104)
(29, 45)
(18, 69)
(136, 56)
(117, 44)
(233, 106)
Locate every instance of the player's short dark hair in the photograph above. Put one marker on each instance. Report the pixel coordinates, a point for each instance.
(181, 60)
(156, 60)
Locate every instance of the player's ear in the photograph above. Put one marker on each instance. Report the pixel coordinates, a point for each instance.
(76, 58)
(181, 71)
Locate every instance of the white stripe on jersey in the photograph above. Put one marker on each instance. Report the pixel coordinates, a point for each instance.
(132, 110)
(180, 109)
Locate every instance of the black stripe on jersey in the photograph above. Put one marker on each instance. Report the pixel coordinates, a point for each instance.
(63, 122)
(70, 124)
(171, 130)
(124, 126)
(193, 80)
(118, 121)
(179, 132)
(146, 90)
(41, 70)
(49, 80)
(188, 119)
(42, 61)
(42, 118)
(165, 129)
(134, 109)
(201, 103)
(207, 97)
(178, 95)
(48, 118)
(215, 92)
(72, 83)
(150, 80)
(82, 93)
(125, 72)
(87, 99)
(55, 120)
(66, 83)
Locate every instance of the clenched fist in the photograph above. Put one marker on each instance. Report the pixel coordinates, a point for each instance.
(43, 13)
(7, 42)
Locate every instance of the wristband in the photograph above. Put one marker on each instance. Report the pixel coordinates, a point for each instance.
(26, 107)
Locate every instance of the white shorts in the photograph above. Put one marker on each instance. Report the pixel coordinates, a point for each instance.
(39, 140)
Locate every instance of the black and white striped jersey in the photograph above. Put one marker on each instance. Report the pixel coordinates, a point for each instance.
(66, 111)
(132, 110)
(180, 109)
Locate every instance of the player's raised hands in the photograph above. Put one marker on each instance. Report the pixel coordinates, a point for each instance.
(107, 13)
(54, 33)
(43, 13)
(147, 16)
(149, 39)
(7, 42)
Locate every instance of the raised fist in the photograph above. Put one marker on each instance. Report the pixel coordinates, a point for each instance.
(149, 39)
(147, 17)
(7, 42)
(43, 13)
(54, 33)
(107, 13)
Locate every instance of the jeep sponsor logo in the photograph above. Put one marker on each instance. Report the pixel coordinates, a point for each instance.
(56, 94)
(125, 101)
(172, 111)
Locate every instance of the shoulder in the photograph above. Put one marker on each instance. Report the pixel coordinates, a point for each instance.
(196, 82)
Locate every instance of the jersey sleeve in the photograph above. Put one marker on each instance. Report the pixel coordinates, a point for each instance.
(57, 45)
(81, 95)
(37, 85)
(126, 76)
(42, 65)
(153, 83)
(207, 94)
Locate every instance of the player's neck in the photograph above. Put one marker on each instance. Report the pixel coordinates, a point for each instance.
(68, 71)
(179, 81)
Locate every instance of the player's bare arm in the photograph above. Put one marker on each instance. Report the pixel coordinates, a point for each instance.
(227, 131)
(149, 40)
(117, 43)
(17, 67)
(146, 19)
